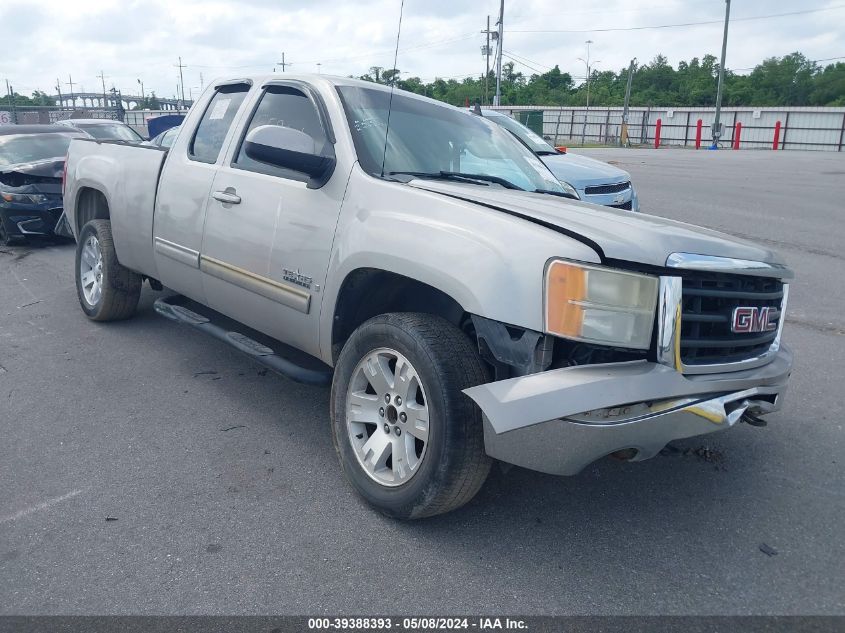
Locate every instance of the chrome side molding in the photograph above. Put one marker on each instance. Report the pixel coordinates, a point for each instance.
(177, 252)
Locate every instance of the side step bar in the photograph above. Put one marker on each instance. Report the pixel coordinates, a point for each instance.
(258, 352)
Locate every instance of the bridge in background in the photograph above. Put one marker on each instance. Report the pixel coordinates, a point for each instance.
(111, 100)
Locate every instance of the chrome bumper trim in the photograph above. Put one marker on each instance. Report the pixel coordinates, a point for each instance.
(564, 447)
(713, 263)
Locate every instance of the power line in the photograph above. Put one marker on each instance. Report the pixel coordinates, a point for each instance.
(681, 25)
(512, 55)
(373, 53)
(812, 61)
(521, 63)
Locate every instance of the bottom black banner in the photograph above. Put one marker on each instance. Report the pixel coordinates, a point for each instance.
(421, 624)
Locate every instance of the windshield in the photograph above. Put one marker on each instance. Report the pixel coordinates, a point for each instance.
(28, 148)
(110, 132)
(429, 138)
(536, 142)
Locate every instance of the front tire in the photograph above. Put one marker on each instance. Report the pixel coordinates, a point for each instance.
(410, 443)
(107, 291)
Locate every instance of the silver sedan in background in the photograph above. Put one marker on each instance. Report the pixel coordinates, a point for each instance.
(593, 180)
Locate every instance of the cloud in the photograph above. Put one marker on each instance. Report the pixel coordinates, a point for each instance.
(143, 40)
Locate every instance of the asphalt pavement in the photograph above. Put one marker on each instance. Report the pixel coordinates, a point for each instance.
(147, 469)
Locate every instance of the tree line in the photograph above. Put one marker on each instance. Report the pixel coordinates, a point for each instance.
(791, 80)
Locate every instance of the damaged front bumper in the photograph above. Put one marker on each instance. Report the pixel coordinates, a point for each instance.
(560, 421)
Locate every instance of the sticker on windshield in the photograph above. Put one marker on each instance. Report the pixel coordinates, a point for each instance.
(219, 109)
(365, 124)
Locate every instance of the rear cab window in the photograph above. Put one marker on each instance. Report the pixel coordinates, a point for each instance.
(211, 132)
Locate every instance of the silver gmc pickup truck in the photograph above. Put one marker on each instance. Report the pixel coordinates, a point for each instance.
(433, 270)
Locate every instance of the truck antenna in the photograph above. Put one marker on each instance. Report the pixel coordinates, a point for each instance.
(392, 87)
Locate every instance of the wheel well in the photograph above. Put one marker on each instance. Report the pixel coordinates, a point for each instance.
(368, 292)
(91, 205)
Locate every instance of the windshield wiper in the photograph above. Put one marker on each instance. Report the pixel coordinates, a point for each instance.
(560, 194)
(458, 177)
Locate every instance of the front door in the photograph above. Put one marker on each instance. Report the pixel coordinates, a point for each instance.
(267, 235)
(183, 192)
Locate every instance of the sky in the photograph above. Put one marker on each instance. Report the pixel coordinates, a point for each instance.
(54, 40)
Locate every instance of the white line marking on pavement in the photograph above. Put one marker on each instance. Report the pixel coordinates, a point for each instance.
(39, 506)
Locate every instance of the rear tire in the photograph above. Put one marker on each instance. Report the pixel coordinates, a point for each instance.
(426, 361)
(107, 291)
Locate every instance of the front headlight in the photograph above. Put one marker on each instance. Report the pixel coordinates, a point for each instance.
(569, 189)
(600, 305)
(26, 198)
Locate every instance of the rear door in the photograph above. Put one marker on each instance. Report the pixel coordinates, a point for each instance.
(267, 235)
(185, 185)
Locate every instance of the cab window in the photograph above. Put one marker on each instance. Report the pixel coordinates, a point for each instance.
(288, 107)
(215, 123)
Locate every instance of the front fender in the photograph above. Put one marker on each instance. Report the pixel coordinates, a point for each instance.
(489, 262)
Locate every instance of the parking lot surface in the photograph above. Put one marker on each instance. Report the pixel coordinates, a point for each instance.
(146, 469)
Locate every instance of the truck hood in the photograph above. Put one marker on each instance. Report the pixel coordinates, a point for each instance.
(581, 171)
(614, 234)
(42, 171)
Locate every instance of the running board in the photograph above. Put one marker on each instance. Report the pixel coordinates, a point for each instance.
(258, 352)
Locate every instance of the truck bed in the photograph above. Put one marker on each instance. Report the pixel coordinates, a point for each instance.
(127, 176)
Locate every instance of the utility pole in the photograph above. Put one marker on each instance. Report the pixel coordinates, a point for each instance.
(11, 92)
(501, 24)
(103, 78)
(59, 91)
(181, 83)
(143, 97)
(717, 125)
(485, 50)
(283, 63)
(623, 135)
(70, 83)
(319, 70)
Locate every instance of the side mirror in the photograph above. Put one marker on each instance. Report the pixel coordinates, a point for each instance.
(290, 149)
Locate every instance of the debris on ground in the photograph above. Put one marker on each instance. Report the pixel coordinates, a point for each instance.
(231, 428)
(213, 548)
(111, 518)
(767, 550)
(209, 372)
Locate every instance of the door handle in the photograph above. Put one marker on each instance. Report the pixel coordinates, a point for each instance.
(227, 196)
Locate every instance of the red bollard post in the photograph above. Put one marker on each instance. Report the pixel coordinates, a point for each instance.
(657, 127)
(698, 126)
(737, 134)
(776, 142)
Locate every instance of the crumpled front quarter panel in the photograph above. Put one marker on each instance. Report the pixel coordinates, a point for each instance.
(490, 262)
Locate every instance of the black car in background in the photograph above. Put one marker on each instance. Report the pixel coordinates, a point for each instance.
(104, 129)
(32, 159)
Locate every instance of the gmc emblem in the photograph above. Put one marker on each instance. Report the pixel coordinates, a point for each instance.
(746, 320)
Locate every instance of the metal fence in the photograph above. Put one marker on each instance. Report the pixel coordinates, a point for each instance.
(24, 115)
(800, 128)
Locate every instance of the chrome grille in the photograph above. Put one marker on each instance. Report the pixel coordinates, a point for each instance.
(707, 305)
(602, 189)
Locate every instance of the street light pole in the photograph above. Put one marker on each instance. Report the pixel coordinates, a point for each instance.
(716, 129)
(589, 72)
(143, 98)
(501, 24)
